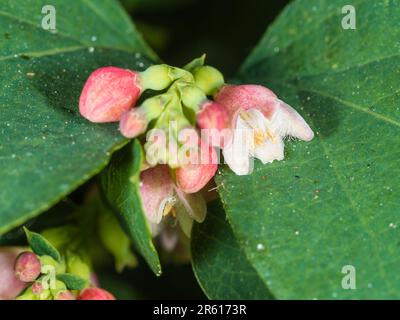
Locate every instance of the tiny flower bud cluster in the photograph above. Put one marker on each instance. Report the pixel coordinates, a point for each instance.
(27, 275)
(169, 118)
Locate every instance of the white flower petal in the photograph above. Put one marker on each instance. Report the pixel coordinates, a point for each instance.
(238, 161)
(270, 151)
(287, 122)
(236, 153)
(254, 119)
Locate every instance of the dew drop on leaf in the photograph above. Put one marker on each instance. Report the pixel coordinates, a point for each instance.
(260, 247)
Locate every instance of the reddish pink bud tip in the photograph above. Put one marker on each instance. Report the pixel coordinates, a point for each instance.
(108, 93)
(27, 267)
(247, 96)
(95, 294)
(213, 116)
(193, 177)
(133, 123)
(37, 288)
(65, 295)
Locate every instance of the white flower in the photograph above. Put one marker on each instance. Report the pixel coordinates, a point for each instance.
(165, 204)
(256, 135)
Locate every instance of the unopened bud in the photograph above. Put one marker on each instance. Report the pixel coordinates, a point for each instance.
(64, 295)
(161, 76)
(95, 294)
(77, 265)
(134, 122)
(193, 97)
(39, 291)
(193, 177)
(27, 267)
(37, 288)
(213, 116)
(108, 93)
(115, 241)
(208, 79)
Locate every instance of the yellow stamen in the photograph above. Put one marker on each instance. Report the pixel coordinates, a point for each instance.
(260, 137)
(169, 207)
(271, 136)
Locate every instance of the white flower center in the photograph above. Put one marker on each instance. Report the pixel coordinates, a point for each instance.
(259, 126)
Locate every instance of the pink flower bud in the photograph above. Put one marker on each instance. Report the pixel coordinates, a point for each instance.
(95, 294)
(67, 295)
(37, 288)
(108, 93)
(10, 286)
(27, 267)
(193, 177)
(214, 120)
(213, 116)
(155, 186)
(133, 123)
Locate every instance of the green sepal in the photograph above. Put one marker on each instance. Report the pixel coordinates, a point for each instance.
(72, 281)
(41, 246)
(197, 62)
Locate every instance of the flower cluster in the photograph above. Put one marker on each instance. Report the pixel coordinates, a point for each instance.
(43, 274)
(194, 115)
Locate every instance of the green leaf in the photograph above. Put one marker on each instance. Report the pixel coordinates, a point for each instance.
(220, 265)
(41, 246)
(73, 282)
(120, 183)
(46, 148)
(334, 201)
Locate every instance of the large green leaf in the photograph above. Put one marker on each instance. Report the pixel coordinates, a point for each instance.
(220, 264)
(46, 148)
(120, 183)
(334, 201)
